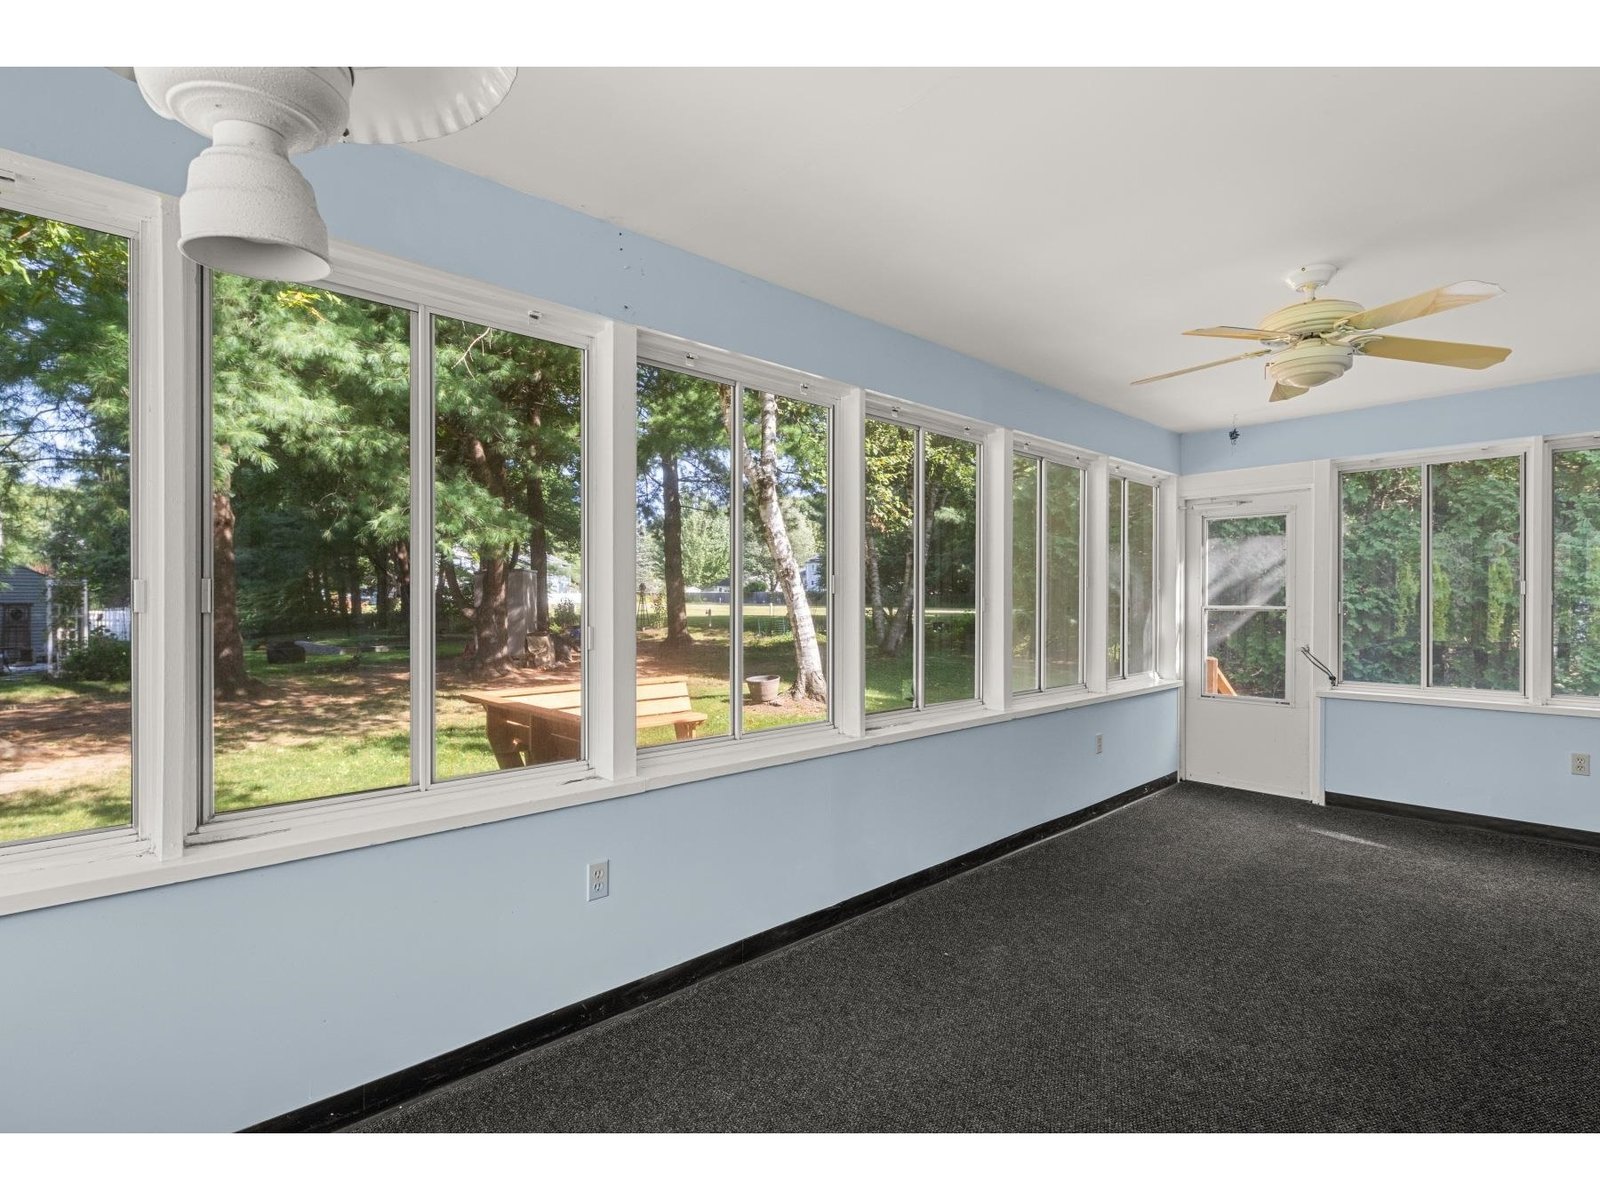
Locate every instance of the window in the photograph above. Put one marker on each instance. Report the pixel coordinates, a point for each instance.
(1047, 583)
(733, 577)
(310, 543)
(66, 537)
(921, 565)
(508, 535)
(1247, 606)
(1575, 529)
(1431, 574)
(1130, 579)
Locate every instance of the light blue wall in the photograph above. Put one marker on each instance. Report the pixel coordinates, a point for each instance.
(214, 1004)
(1557, 406)
(392, 200)
(1497, 764)
(1500, 764)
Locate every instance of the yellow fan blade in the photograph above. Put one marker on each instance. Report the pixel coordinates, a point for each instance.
(1239, 331)
(1286, 391)
(1468, 291)
(1202, 367)
(1443, 354)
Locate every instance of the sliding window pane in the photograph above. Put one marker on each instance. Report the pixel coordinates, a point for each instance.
(784, 555)
(1476, 536)
(1141, 595)
(1063, 503)
(508, 523)
(1025, 573)
(950, 574)
(1576, 530)
(891, 464)
(311, 547)
(1115, 571)
(1381, 575)
(683, 492)
(65, 623)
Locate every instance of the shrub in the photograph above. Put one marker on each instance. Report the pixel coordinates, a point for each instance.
(102, 657)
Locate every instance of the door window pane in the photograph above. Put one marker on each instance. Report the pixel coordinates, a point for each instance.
(1245, 652)
(1025, 574)
(1476, 575)
(310, 543)
(1141, 594)
(685, 556)
(950, 575)
(1115, 570)
(1063, 502)
(1576, 534)
(784, 554)
(508, 523)
(65, 623)
(1247, 561)
(891, 464)
(1381, 575)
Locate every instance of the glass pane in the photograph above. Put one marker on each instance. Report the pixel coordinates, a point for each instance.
(1381, 575)
(1063, 497)
(1114, 571)
(1576, 529)
(950, 574)
(65, 628)
(508, 524)
(1141, 598)
(784, 548)
(1245, 652)
(1024, 574)
(311, 543)
(685, 656)
(1477, 574)
(891, 458)
(1247, 561)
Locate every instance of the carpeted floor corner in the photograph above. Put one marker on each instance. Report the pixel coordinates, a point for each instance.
(1202, 960)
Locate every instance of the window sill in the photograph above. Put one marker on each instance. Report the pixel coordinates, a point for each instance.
(49, 876)
(1518, 704)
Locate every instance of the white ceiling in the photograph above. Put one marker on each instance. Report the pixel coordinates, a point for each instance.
(1069, 224)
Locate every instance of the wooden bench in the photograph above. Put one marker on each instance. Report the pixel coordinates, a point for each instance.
(545, 724)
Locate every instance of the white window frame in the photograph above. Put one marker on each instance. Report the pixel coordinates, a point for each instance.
(1541, 654)
(988, 442)
(168, 843)
(1532, 517)
(741, 372)
(1162, 591)
(1047, 451)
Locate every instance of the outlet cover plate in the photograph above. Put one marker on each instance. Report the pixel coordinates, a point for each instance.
(1580, 764)
(598, 879)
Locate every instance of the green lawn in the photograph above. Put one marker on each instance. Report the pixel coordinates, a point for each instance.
(336, 725)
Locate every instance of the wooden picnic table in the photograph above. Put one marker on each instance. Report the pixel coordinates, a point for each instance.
(529, 725)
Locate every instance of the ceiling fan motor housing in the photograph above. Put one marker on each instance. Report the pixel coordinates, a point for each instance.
(1309, 364)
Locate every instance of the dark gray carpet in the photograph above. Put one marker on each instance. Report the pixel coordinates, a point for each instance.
(1202, 960)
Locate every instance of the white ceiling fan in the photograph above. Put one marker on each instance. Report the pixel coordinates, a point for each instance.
(1315, 341)
(247, 208)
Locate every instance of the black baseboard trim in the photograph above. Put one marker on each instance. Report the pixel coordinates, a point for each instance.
(1449, 816)
(337, 1112)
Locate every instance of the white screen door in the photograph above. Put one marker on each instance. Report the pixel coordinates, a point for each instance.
(1247, 689)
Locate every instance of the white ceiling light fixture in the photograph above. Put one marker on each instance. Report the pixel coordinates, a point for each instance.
(248, 210)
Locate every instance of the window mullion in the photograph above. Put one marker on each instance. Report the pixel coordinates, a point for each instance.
(424, 557)
(919, 546)
(1425, 621)
(847, 602)
(610, 556)
(736, 561)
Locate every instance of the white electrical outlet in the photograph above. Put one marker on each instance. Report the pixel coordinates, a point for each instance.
(599, 879)
(1099, 743)
(1580, 764)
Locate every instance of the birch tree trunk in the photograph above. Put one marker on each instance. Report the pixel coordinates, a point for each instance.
(672, 553)
(760, 472)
